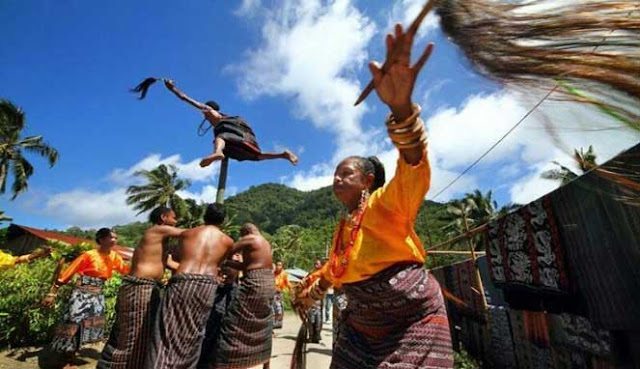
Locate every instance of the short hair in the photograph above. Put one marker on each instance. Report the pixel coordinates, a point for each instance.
(102, 233)
(215, 214)
(247, 228)
(212, 104)
(156, 214)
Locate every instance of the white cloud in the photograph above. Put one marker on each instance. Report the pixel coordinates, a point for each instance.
(310, 51)
(191, 170)
(248, 8)
(91, 209)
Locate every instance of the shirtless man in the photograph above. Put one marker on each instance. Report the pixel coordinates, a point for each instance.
(233, 136)
(245, 335)
(183, 313)
(139, 295)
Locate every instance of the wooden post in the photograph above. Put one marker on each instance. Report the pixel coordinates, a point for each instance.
(475, 263)
(222, 180)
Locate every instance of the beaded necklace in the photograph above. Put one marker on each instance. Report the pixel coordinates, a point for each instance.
(339, 259)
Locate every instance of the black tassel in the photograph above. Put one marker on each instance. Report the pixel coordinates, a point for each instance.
(143, 87)
(299, 357)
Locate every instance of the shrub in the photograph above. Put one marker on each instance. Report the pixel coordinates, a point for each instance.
(23, 321)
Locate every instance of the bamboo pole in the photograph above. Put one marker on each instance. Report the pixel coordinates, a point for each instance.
(454, 252)
(475, 263)
(222, 180)
(459, 237)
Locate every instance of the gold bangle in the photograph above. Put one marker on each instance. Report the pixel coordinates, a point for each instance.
(408, 134)
(391, 120)
(410, 145)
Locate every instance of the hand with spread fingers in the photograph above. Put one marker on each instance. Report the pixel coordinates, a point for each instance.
(394, 84)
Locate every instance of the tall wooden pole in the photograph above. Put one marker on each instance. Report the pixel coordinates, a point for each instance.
(222, 180)
(475, 262)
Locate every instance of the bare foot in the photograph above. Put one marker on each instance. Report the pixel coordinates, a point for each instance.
(70, 366)
(210, 159)
(291, 157)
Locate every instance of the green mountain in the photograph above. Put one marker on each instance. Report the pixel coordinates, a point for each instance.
(298, 224)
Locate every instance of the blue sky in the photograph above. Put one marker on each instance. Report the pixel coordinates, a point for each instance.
(291, 68)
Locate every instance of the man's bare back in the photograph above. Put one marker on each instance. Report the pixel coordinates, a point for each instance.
(255, 249)
(203, 249)
(149, 257)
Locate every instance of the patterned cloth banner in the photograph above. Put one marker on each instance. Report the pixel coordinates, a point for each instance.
(523, 249)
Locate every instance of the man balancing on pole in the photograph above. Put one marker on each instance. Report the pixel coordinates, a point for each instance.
(234, 138)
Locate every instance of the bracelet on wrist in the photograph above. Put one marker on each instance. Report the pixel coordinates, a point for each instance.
(409, 133)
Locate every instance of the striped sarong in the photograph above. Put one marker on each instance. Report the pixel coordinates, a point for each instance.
(181, 321)
(83, 319)
(245, 335)
(396, 319)
(224, 296)
(138, 300)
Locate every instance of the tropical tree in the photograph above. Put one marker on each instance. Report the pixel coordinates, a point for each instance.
(12, 145)
(585, 160)
(4, 218)
(483, 206)
(161, 188)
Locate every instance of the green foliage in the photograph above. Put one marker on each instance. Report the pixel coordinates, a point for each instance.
(462, 360)
(161, 188)
(22, 319)
(66, 251)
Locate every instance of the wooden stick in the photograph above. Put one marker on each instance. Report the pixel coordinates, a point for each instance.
(459, 237)
(413, 28)
(222, 180)
(454, 252)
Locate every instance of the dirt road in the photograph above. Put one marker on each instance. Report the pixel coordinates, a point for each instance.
(318, 357)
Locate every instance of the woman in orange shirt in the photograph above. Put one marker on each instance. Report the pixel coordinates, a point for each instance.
(84, 320)
(282, 283)
(395, 316)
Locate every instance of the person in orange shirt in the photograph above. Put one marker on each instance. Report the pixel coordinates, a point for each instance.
(282, 284)
(395, 315)
(84, 318)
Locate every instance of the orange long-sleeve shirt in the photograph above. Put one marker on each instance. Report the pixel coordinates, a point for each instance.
(387, 236)
(94, 264)
(282, 281)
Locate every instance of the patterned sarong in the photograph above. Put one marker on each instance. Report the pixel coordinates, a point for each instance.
(181, 321)
(83, 320)
(245, 335)
(224, 296)
(315, 322)
(278, 310)
(396, 319)
(138, 300)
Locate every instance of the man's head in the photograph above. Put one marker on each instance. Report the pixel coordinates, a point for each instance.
(162, 215)
(249, 228)
(215, 214)
(317, 264)
(213, 105)
(106, 237)
(279, 265)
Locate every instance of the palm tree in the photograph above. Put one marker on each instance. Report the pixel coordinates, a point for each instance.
(483, 206)
(4, 218)
(163, 183)
(586, 161)
(12, 122)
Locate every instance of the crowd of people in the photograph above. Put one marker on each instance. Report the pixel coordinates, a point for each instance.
(207, 317)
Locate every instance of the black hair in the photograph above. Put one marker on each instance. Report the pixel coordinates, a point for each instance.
(156, 214)
(247, 228)
(371, 165)
(215, 214)
(214, 105)
(102, 233)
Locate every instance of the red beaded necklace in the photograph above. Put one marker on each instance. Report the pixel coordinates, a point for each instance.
(339, 259)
